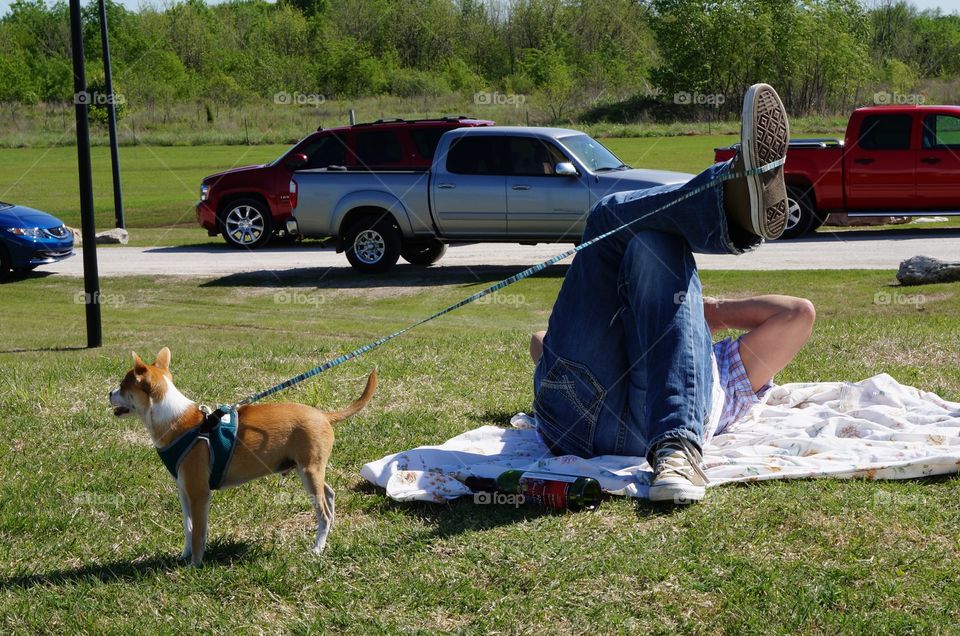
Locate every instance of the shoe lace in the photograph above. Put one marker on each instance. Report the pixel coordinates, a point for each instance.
(680, 456)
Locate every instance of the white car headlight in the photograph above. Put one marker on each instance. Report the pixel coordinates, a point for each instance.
(31, 232)
(204, 192)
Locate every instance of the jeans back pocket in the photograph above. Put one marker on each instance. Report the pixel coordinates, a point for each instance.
(567, 404)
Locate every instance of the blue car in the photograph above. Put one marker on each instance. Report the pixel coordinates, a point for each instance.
(29, 238)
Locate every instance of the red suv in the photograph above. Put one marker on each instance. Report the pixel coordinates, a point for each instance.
(250, 205)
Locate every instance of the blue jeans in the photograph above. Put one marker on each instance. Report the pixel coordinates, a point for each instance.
(626, 359)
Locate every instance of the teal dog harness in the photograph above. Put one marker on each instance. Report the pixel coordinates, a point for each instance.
(218, 432)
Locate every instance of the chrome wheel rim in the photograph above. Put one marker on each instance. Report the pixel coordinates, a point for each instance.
(369, 247)
(245, 224)
(793, 214)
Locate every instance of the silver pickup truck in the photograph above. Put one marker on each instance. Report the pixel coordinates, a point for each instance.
(491, 184)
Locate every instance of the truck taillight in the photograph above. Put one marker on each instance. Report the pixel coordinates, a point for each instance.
(293, 193)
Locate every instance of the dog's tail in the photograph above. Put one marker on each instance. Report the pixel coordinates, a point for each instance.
(361, 402)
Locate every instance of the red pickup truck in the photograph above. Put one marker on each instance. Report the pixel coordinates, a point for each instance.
(894, 161)
(251, 204)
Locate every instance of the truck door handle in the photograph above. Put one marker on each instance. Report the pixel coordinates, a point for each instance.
(863, 161)
(446, 186)
(521, 186)
(930, 160)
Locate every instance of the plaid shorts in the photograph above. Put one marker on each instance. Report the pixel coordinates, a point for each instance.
(738, 395)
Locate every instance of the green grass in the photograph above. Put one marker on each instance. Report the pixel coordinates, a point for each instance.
(90, 522)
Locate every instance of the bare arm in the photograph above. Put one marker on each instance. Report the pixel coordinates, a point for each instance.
(777, 326)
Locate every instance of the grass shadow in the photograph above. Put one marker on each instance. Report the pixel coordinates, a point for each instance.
(399, 276)
(219, 552)
(44, 349)
(457, 516)
(15, 276)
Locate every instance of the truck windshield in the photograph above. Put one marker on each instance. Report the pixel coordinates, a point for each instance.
(592, 153)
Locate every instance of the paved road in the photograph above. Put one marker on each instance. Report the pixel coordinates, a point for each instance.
(847, 250)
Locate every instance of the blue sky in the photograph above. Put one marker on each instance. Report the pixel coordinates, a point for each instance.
(947, 6)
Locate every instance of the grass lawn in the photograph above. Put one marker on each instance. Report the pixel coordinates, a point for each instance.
(90, 522)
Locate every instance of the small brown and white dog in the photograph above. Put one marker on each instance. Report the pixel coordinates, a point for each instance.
(270, 438)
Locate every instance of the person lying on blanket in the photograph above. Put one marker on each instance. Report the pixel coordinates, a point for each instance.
(626, 365)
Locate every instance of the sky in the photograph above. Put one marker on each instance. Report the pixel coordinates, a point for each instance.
(947, 6)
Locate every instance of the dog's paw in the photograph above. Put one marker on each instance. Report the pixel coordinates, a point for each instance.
(185, 556)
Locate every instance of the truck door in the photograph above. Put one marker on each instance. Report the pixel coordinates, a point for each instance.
(938, 164)
(879, 168)
(469, 191)
(540, 203)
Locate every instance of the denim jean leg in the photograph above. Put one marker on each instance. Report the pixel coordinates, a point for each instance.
(701, 219)
(582, 382)
(668, 343)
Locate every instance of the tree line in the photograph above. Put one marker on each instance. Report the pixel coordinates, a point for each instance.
(611, 59)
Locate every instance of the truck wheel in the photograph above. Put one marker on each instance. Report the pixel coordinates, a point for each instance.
(800, 212)
(246, 223)
(425, 252)
(373, 244)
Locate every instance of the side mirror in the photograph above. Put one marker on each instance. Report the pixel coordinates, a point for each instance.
(296, 161)
(565, 169)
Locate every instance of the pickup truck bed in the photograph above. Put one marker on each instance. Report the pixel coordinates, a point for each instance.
(893, 161)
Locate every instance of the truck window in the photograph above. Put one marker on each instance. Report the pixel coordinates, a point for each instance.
(328, 150)
(476, 155)
(378, 148)
(531, 157)
(941, 131)
(885, 132)
(426, 140)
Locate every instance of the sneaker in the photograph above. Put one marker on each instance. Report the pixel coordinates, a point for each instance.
(759, 203)
(677, 475)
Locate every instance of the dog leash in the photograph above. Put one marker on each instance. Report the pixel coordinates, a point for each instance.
(222, 410)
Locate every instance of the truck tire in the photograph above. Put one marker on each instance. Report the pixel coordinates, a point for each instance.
(246, 223)
(425, 252)
(373, 244)
(801, 215)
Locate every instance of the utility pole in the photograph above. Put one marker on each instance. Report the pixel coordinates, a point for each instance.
(81, 98)
(111, 118)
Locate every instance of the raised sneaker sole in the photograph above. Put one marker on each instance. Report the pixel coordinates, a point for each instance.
(764, 139)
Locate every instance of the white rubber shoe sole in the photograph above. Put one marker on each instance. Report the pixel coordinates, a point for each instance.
(765, 134)
(678, 491)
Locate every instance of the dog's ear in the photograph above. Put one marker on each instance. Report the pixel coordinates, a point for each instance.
(163, 359)
(138, 365)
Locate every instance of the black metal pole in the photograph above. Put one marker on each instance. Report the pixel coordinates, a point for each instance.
(111, 117)
(91, 278)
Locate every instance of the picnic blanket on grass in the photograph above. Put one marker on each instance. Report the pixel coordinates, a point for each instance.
(873, 429)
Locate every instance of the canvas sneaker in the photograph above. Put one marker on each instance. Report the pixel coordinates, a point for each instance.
(759, 203)
(677, 473)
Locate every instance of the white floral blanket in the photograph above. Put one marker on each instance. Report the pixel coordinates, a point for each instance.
(874, 429)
